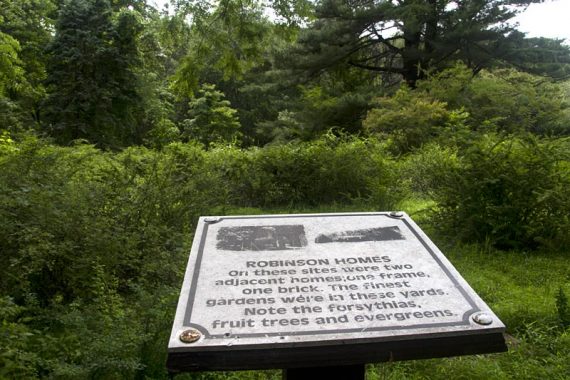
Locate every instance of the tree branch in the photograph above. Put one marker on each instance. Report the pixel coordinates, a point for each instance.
(377, 68)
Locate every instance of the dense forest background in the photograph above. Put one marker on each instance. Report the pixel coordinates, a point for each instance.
(120, 124)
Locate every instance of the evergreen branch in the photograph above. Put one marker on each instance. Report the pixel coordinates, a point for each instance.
(377, 68)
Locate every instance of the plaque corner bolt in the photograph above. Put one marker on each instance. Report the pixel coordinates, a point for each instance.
(212, 220)
(396, 214)
(482, 319)
(190, 336)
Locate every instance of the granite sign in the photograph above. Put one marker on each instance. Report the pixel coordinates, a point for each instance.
(281, 291)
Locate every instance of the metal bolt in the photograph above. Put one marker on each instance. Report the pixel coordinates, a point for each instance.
(482, 319)
(190, 336)
(396, 214)
(211, 220)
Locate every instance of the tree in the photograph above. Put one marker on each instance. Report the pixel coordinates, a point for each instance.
(10, 65)
(30, 24)
(234, 36)
(227, 38)
(409, 37)
(11, 75)
(92, 75)
(210, 118)
(231, 46)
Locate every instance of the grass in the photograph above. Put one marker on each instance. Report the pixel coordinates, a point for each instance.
(521, 289)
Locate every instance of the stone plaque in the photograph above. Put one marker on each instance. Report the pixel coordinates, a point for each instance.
(283, 291)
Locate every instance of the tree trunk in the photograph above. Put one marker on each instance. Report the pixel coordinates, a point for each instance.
(411, 57)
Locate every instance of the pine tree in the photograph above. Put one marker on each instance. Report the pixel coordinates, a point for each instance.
(210, 118)
(92, 75)
(409, 37)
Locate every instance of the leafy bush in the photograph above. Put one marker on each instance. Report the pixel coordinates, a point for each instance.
(507, 100)
(419, 169)
(412, 118)
(94, 244)
(508, 192)
(18, 359)
(93, 248)
(331, 169)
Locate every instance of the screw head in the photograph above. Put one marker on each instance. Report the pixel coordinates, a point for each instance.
(482, 319)
(396, 214)
(190, 336)
(211, 220)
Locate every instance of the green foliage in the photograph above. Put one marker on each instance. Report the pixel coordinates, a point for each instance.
(11, 80)
(410, 119)
(17, 356)
(321, 110)
(294, 12)
(338, 100)
(232, 45)
(162, 43)
(505, 100)
(419, 170)
(331, 169)
(227, 37)
(30, 23)
(94, 244)
(210, 118)
(7, 145)
(316, 113)
(10, 66)
(545, 57)
(92, 75)
(507, 192)
(406, 38)
(453, 107)
(163, 133)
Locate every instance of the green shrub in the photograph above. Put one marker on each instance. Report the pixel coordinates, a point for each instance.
(93, 247)
(408, 118)
(331, 169)
(505, 99)
(508, 192)
(94, 244)
(420, 169)
(18, 359)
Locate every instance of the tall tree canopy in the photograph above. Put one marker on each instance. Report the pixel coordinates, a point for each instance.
(92, 75)
(27, 24)
(10, 65)
(407, 37)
